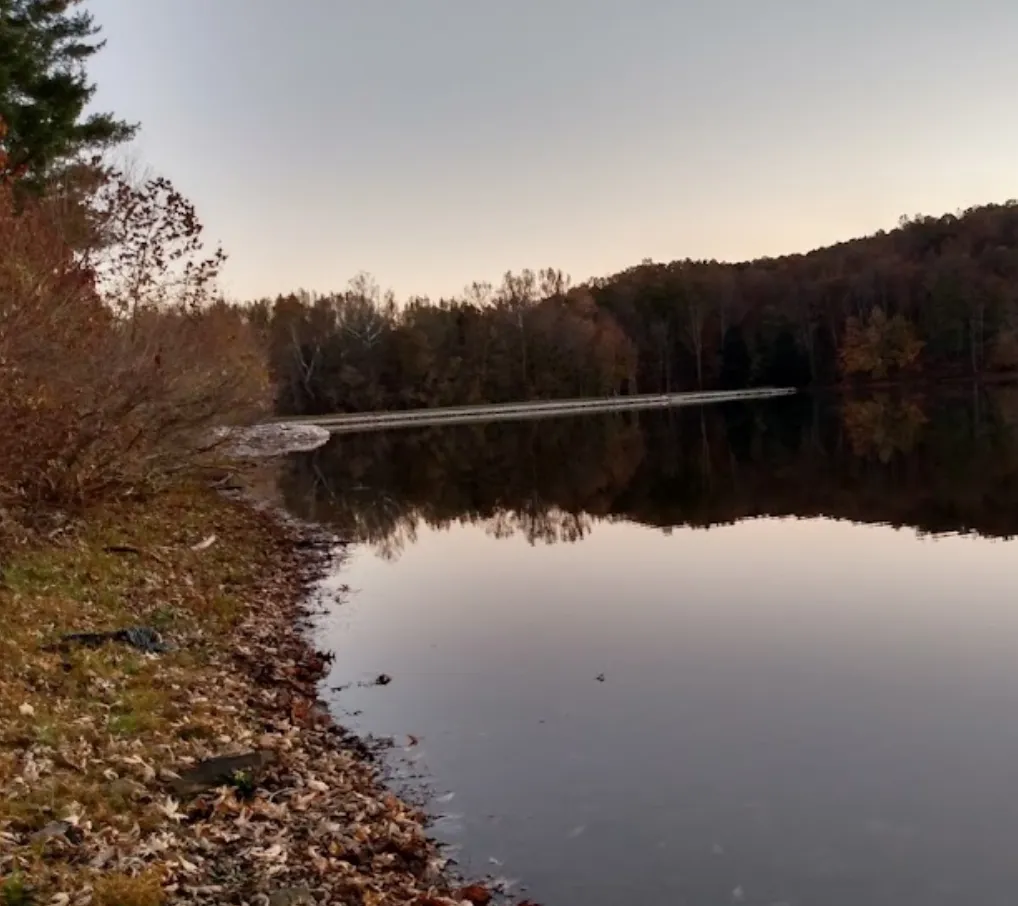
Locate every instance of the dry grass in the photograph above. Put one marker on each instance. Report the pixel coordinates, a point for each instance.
(123, 890)
(85, 732)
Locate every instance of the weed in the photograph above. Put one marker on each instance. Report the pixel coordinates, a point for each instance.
(131, 665)
(15, 892)
(47, 735)
(124, 890)
(244, 783)
(162, 618)
(125, 724)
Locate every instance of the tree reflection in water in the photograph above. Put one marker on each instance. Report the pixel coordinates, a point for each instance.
(938, 463)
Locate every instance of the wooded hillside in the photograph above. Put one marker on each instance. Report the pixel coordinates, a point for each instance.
(935, 296)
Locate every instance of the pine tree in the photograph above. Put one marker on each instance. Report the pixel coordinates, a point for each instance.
(44, 89)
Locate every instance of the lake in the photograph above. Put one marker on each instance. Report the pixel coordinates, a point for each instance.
(760, 653)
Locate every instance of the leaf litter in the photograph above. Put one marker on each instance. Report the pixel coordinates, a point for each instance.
(205, 772)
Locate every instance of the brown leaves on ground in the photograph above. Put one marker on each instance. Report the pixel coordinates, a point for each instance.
(95, 743)
(477, 894)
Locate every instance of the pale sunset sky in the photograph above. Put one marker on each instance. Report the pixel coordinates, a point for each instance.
(434, 142)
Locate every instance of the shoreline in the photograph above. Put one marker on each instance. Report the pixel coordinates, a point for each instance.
(210, 772)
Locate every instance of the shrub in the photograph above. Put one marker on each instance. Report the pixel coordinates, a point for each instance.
(116, 358)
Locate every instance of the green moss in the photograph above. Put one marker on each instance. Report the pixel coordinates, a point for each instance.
(15, 891)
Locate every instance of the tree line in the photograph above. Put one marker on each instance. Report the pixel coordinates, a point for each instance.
(935, 297)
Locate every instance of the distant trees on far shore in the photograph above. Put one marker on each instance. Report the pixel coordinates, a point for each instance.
(937, 296)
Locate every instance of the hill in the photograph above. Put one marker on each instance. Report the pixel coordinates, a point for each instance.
(935, 297)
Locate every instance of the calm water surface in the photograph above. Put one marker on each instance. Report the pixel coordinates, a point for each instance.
(810, 688)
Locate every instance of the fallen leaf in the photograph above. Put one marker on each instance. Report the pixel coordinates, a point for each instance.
(204, 544)
(476, 894)
(171, 810)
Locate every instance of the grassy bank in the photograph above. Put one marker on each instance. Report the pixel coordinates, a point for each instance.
(100, 801)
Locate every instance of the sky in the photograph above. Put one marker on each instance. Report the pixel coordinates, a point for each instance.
(436, 142)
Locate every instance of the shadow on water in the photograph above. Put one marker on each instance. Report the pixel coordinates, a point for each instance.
(945, 463)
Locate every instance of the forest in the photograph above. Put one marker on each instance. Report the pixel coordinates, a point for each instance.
(939, 463)
(936, 297)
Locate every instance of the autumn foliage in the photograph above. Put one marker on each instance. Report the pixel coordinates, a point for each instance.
(935, 298)
(116, 361)
(879, 346)
(531, 337)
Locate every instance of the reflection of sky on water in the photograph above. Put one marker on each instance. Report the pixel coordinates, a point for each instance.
(828, 704)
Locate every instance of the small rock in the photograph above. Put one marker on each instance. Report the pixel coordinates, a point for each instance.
(600, 677)
(26, 710)
(144, 638)
(383, 679)
(213, 772)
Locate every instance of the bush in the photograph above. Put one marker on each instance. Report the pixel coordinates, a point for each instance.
(116, 359)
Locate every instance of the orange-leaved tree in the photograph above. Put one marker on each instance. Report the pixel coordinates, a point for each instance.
(879, 346)
(117, 360)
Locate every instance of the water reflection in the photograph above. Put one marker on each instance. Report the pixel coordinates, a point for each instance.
(939, 464)
(799, 711)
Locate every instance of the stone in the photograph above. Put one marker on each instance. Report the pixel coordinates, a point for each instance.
(214, 772)
(144, 638)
